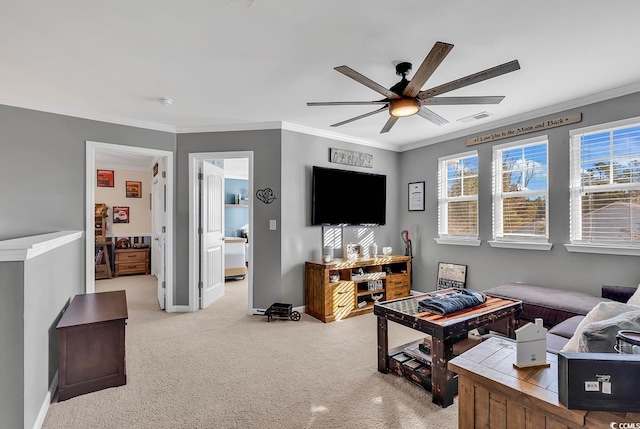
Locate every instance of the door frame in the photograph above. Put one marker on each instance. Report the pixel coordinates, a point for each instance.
(90, 185)
(194, 260)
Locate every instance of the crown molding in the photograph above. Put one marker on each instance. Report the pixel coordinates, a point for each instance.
(337, 136)
(253, 126)
(93, 116)
(534, 114)
(572, 104)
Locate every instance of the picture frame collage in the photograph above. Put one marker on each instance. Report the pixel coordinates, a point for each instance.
(133, 189)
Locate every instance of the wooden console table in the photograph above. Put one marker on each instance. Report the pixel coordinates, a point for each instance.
(92, 344)
(492, 393)
(444, 330)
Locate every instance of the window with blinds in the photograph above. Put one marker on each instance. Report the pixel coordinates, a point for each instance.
(458, 196)
(520, 189)
(605, 185)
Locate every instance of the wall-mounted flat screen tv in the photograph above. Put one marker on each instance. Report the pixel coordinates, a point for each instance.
(343, 197)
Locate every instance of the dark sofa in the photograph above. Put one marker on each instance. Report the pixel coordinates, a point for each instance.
(561, 310)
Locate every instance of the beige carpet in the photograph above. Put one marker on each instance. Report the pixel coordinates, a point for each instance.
(221, 368)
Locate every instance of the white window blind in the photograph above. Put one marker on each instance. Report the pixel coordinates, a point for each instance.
(458, 196)
(520, 189)
(605, 185)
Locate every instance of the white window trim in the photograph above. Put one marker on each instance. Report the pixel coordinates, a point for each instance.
(527, 243)
(603, 250)
(583, 246)
(456, 240)
(471, 241)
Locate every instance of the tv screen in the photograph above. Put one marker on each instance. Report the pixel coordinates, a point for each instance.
(342, 197)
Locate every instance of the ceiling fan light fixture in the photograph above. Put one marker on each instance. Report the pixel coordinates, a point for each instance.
(404, 107)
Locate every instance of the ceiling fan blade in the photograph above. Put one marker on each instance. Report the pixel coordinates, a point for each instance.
(431, 62)
(345, 103)
(471, 79)
(382, 109)
(390, 123)
(349, 72)
(451, 101)
(432, 116)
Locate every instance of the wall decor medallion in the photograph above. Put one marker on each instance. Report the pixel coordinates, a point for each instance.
(265, 195)
(349, 157)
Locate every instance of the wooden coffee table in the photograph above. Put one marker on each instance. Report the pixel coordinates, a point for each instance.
(445, 332)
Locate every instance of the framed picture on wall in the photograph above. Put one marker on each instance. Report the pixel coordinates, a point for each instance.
(104, 178)
(120, 214)
(451, 275)
(134, 189)
(416, 196)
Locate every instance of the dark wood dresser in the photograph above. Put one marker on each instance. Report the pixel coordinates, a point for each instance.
(92, 344)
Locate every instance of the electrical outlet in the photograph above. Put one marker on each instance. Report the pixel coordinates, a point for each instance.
(272, 225)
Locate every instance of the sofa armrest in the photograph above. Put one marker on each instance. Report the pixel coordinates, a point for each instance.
(618, 293)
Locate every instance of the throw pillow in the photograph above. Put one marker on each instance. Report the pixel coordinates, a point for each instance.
(600, 337)
(604, 310)
(635, 298)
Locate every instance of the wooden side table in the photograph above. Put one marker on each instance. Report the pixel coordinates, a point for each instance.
(92, 344)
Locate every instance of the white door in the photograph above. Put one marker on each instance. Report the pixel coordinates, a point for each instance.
(212, 237)
(158, 246)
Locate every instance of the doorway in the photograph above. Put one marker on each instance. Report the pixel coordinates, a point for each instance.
(165, 160)
(198, 265)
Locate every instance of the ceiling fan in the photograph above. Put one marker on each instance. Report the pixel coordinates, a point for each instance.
(405, 97)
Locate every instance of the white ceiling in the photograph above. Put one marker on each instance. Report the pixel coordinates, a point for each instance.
(242, 64)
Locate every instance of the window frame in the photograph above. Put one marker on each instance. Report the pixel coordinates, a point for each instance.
(529, 242)
(443, 201)
(576, 189)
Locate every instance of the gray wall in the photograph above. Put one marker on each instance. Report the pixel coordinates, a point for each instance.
(42, 167)
(301, 241)
(488, 267)
(12, 340)
(266, 149)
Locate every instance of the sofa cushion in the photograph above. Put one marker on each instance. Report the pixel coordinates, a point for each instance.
(550, 304)
(567, 328)
(602, 311)
(635, 298)
(555, 343)
(600, 337)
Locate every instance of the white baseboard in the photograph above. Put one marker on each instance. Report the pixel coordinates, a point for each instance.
(47, 401)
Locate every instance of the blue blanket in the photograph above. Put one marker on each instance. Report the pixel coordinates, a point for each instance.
(457, 300)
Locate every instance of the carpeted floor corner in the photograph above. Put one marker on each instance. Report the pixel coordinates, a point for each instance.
(221, 368)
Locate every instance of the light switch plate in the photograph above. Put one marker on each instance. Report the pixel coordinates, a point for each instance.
(272, 225)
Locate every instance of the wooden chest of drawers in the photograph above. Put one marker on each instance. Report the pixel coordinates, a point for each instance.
(131, 261)
(397, 286)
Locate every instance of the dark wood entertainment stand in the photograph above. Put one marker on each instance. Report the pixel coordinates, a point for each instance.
(92, 344)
